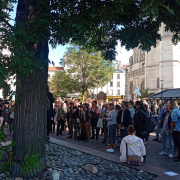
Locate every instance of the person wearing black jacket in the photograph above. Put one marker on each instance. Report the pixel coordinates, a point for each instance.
(140, 120)
(165, 127)
(124, 119)
(49, 112)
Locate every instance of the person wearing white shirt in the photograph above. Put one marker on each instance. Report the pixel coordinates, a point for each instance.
(135, 146)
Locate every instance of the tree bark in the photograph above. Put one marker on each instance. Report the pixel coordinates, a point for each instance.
(31, 106)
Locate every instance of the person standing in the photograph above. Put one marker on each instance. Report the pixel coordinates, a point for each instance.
(60, 114)
(105, 112)
(165, 127)
(132, 111)
(158, 130)
(111, 119)
(94, 113)
(123, 119)
(84, 119)
(73, 121)
(175, 127)
(140, 119)
(49, 112)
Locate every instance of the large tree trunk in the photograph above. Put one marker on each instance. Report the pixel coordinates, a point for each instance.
(31, 105)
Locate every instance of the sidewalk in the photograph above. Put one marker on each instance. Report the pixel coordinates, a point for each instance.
(155, 163)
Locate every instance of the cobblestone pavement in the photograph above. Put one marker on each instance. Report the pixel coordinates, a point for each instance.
(155, 163)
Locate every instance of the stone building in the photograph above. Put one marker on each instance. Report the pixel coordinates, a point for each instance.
(157, 70)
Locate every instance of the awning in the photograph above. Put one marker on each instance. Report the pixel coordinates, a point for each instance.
(167, 94)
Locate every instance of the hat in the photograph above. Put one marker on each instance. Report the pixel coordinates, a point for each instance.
(106, 103)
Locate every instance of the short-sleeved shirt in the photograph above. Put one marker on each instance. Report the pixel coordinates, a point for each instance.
(95, 109)
(175, 116)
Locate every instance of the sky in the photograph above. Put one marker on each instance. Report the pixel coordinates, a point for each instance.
(56, 54)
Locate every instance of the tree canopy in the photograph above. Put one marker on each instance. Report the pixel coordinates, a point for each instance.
(92, 24)
(84, 71)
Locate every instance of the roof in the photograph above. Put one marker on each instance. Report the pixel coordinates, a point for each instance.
(168, 93)
(124, 67)
(55, 68)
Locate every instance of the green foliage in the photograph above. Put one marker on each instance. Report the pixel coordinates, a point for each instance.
(145, 94)
(31, 162)
(31, 156)
(86, 71)
(95, 25)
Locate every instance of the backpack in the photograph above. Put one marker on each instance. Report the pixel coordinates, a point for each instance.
(150, 123)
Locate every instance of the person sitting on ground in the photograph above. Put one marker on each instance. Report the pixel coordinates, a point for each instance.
(135, 146)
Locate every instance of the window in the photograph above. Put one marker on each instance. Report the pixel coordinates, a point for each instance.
(111, 92)
(111, 84)
(131, 88)
(157, 82)
(118, 76)
(118, 92)
(49, 76)
(142, 85)
(118, 84)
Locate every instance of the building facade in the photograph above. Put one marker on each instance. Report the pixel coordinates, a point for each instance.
(156, 70)
(115, 89)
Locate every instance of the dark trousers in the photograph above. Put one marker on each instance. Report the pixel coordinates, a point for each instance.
(94, 127)
(176, 138)
(123, 133)
(97, 131)
(73, 124)
(67, 117)
(52, 128)
(48, 125)
(60, 123)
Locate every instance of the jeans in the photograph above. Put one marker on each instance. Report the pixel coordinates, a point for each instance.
(112, 133)
(60, 123)
(164, 135)
(158, 130)
(176, 138)
(73, 123)
(123, 133)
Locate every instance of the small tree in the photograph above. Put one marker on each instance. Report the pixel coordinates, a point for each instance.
(88, 70)
(145, 93)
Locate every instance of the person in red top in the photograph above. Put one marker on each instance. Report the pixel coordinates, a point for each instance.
(94, 114)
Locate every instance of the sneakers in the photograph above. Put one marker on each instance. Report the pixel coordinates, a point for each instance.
(110, 150)
(156, 139)
(109, 147)
(163, 153)
(170, 155)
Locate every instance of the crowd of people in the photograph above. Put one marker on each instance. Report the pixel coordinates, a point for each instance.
(123, 122)
(6, 115)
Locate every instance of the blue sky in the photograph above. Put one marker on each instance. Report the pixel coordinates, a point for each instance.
(56, 54)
